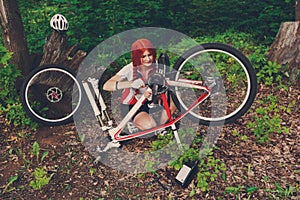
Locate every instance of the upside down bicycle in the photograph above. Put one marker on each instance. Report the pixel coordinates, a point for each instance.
(212, 83)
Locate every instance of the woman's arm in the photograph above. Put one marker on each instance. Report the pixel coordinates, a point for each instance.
(116, 83)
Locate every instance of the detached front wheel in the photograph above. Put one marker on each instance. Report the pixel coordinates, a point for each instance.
(51, 95)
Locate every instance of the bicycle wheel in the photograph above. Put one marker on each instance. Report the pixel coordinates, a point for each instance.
(229, 69)
(47, 93)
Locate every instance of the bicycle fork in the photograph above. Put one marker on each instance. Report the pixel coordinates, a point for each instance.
(101, 115)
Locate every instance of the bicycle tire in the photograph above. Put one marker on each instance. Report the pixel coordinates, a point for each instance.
(48, 93)
(239, 82)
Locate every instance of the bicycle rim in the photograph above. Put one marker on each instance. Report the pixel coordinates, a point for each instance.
(234, 75)
(48, 95)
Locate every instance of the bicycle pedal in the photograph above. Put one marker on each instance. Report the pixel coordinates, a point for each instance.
(151, 105)
(161, 132)
(109, 145)
(132, 128)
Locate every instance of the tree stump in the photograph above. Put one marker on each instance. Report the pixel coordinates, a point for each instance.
(286, 49)
(57, 51)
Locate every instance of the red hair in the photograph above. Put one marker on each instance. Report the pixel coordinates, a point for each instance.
(138, 48)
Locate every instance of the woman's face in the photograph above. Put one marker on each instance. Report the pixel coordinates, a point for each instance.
(147, 59)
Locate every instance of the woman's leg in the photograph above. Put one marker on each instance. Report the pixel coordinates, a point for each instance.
(144, 121)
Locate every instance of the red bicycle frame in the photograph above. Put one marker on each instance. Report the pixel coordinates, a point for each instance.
(115, 132)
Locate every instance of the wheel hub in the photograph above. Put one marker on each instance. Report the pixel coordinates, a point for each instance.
(54, 94)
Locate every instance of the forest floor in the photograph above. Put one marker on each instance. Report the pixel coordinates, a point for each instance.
(270, 170)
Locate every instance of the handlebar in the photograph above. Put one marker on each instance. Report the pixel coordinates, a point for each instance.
(157, 83)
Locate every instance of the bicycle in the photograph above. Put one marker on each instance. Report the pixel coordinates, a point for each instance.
(212, 74)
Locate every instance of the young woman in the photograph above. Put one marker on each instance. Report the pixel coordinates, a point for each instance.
(132, 78)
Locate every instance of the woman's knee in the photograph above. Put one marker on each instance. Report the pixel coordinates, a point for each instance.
(144, 121)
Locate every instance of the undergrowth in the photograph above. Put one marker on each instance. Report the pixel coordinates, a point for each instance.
(11, 106)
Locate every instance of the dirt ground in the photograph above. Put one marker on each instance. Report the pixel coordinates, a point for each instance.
(272, 167)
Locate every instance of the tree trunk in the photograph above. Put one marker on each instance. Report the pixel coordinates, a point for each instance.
(13, 34)
(297, 10)
(286, 49)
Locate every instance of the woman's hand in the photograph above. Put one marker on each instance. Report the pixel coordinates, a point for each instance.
(148, 93)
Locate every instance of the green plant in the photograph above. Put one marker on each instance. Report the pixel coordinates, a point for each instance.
(237, 189)
(149, 163)
(22, 156)
(36, 152)
(270, 73)
(288, 108)
(239, 135)
(162, 141)
(15, 114)
(282, 193)
(193, 191)
(41, 178)
(209, 169)
(251, 190)
(298, 74)
(267, 120)
(11, 180)
(233, 189)
(189, 154)
(10, 105)
(92, 171)
(152, 156)
(8, 76)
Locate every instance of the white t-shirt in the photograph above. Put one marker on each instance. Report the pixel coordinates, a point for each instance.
(130, 95)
